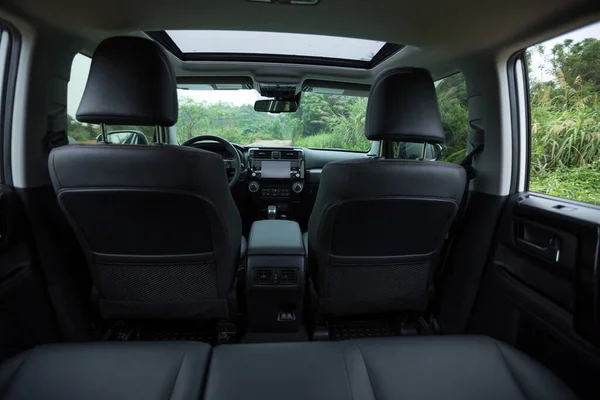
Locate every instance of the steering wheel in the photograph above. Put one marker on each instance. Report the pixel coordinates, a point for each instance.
(236, 164)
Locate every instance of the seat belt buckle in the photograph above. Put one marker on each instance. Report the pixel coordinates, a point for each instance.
(226, 332)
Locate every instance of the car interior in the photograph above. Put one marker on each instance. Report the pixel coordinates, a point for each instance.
(301, 199)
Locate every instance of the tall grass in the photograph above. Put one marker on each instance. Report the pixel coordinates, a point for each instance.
(565, 130)
(574, 183)
(565, 140)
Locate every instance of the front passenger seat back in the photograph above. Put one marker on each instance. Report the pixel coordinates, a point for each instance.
(378, 227)
(158, 224)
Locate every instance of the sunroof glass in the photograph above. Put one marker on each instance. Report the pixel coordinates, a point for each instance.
(289, 44)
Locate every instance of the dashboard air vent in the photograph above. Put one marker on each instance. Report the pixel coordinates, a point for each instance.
(262, 154)
(263, 276)
(290, 155)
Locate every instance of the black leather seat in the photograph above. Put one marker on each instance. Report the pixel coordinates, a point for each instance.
(158, 224)
(127, 371)
(468, 367)
(378, 226)
(461, 368)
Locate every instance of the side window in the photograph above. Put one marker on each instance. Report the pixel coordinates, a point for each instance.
(453, 102)
(564, 93)
(82, 133)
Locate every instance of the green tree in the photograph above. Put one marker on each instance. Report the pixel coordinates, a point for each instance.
(453, 102)
(81, 133)
(578, 62)
(191, 116)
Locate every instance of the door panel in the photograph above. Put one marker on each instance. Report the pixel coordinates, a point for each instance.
(538, 288)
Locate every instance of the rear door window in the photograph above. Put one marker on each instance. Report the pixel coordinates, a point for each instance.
(564, 93)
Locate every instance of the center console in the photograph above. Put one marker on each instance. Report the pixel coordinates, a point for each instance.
(275, 277)
(276, 180)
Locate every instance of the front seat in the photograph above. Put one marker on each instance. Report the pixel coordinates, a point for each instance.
(378, 226)
(158, 224)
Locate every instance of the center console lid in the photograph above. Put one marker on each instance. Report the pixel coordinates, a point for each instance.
(275, 237)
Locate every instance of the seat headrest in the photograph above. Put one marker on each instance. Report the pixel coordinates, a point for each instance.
(130, 83)
(403, 107)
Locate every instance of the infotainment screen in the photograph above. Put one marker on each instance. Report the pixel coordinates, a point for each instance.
(276, 169)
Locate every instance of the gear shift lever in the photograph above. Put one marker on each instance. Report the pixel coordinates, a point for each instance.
(272, 212)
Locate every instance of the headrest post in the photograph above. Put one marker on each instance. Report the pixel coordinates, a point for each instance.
(158, 134)
(424, 155)
(103, 130)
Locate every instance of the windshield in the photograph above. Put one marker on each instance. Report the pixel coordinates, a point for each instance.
(325, 121)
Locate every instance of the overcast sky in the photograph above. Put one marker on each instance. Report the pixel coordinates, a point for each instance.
(336, 47)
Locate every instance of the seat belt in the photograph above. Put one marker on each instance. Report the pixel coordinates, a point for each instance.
(56, 135)
(71, 313)
(467, 164)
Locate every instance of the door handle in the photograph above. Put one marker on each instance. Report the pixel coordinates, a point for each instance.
(539, 241)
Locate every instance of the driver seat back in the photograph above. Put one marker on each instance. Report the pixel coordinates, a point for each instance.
(157, 224)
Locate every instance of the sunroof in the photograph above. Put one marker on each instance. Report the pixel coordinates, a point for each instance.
(277, 44)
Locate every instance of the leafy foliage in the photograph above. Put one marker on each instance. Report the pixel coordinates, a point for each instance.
(340, 120)
(578, 61)
(323, 121)
(565, 129)
(82, 133)
(453, 102)
(238, 124)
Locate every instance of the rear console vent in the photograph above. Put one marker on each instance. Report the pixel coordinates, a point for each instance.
(276, 276)
(263, 276)
(288, 276)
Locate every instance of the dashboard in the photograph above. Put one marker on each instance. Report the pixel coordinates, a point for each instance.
(277, 182)
(314, 159)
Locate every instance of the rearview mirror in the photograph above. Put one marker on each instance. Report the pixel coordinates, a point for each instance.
(275, 106)
(124, 137)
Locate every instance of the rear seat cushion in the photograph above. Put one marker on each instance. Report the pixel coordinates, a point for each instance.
(107, 371)
(467, 367)
(383, 369)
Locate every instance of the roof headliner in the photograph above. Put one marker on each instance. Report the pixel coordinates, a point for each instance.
(469, 24)
(435, 30)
